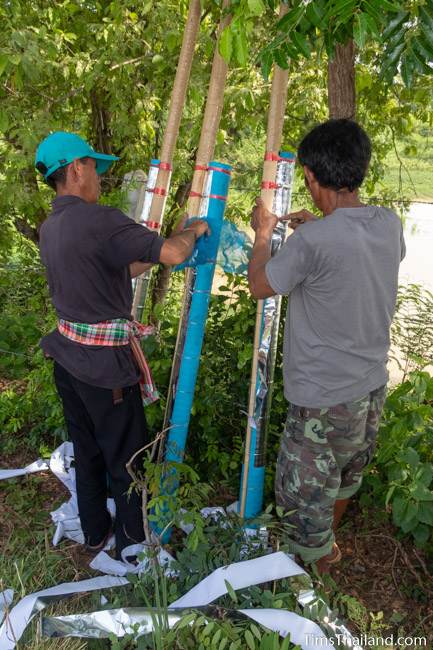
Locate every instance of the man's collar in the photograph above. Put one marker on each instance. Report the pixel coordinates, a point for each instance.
(66, 199)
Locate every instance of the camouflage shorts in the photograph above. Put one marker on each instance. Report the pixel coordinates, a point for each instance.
(322, 456)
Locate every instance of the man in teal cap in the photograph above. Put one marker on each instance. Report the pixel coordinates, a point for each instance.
(91, 252)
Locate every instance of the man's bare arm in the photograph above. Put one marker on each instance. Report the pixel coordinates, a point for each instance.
(263, 222)
(176, 249)
(137, 268)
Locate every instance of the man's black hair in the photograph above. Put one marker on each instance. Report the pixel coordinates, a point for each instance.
(338, 153)
(59, 176)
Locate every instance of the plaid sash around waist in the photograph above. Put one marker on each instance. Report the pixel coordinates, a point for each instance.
(115, 333)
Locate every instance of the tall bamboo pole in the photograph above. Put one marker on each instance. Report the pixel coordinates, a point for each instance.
(273, 142)
(205, 152)
(177, 101)
(154, 214)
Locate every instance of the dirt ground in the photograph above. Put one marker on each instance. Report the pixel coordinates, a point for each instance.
(382, 583)
(385, 573)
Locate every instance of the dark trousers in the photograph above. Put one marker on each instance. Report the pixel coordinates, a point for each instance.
(105, 436)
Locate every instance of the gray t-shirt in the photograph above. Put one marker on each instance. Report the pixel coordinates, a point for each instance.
(342, 275)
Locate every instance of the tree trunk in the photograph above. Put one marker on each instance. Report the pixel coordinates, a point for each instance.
(341, 82)
(102, 133)
(101, 120)
(162, 277)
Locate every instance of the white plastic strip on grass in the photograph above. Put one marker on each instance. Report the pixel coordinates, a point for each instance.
(239, 575)
(66, 518)
(38, 466)
(106, 564)
(302, 631)
(20, 616)
(6, 598)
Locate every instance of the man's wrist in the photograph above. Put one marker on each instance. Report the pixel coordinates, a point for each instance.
(191, 230)
(264, 233)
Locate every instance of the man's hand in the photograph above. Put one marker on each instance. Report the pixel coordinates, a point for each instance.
(295, 219)
(262, 220)
(177, 248)
(199, 228)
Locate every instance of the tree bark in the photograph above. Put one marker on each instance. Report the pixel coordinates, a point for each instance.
(101, 121)
(341, 82)
(162, 277)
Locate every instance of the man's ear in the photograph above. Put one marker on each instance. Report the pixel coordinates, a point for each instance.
(309, 175)
(74, 170)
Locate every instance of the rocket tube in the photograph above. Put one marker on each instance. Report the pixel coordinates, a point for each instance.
(180, 416)
(266, 335)
(140, 283)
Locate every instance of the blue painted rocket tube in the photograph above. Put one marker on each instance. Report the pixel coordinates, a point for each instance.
(278, 178)
(217, 188)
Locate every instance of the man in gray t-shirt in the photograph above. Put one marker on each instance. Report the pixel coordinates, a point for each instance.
(341, 274)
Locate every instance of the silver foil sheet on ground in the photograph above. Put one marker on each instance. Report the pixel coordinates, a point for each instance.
(308, 631)
(99, 625)
(317, 609)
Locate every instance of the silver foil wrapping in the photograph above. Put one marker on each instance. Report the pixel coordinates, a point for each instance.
(99, 625)
(316, 609)
(140, 621)
(140, 284)
(151, 183)
(271, 316)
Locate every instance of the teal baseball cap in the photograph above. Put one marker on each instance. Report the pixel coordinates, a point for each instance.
(61, 148)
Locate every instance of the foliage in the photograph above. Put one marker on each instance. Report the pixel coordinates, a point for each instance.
(29, 405)
(403, 30)
(218, 419)
(24, 307)
(31, 416)
(222, 541)
(401, 474)
(412, 328)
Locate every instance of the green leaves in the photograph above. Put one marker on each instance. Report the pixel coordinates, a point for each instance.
(226, 44)
(256, 7)
(249, 639)
(301, 44)
(4, 60)
(234, 43)
(361, 30)
(231, 592)
(241, 46)
(394, 25)
(425, 513)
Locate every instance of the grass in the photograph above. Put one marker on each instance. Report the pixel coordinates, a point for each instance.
(409, 167)
(29, 563)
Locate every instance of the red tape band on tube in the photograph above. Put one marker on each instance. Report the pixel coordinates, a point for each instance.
(152, 224)
(165, 165)
(271, 155)
(220, 169)
(194, 194)
(270, 185)
(159, 190)
(200, 168)
(217, 196)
